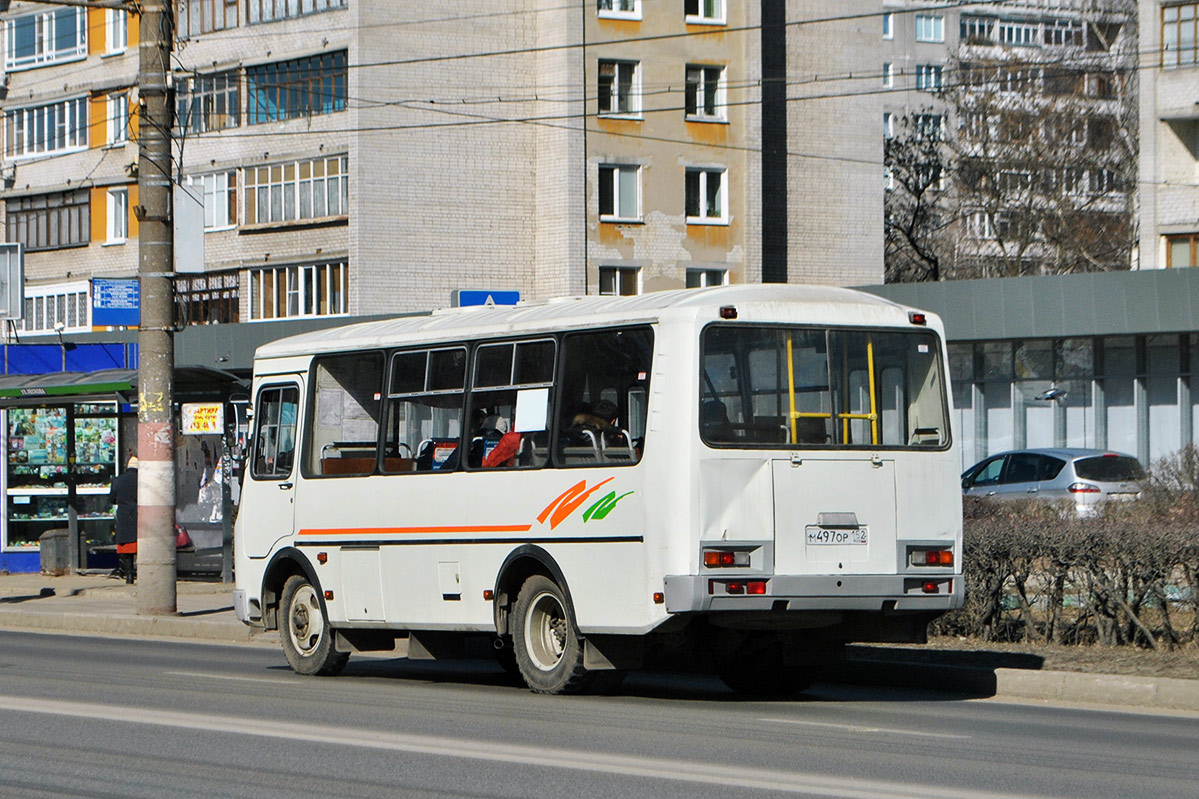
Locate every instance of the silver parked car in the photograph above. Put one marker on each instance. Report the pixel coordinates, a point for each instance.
(1086, 477)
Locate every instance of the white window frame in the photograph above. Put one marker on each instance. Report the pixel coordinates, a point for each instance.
(116, 119)
(116, 31)
(617, 274)
(705, 86)
(714, 15)
(219, 193)
(888, 125)
(979, 226)
(22, 125)
(292, 290)
(888, 75)
(273, 10)
(888, 25)
(702, 277)
(43, 302)
(928, 77)
(282, 188)
(116, 216)
(44, 23)
(611, 9)
(930, 28)
(705, 176)
(618, 176)
(614, 94)
(1018, 33)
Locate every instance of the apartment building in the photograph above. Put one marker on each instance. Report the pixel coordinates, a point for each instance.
(359, 158)
(1036, 102)
(1169, 121)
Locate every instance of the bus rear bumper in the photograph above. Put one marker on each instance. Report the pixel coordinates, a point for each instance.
(898, 593)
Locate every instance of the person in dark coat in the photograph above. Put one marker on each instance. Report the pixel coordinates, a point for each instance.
(123, 494)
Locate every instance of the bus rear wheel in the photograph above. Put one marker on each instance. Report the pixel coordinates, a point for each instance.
(547, 647)
(306, 636)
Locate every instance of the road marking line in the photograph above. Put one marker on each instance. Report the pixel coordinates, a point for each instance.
(857, 728)
(204, 675)
(652, 768)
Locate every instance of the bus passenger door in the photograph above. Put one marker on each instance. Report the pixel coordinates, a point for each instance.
(267, 507)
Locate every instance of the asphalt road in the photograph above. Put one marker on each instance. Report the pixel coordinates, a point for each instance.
(135, 718)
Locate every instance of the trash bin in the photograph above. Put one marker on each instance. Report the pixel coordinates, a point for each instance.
(56, 551)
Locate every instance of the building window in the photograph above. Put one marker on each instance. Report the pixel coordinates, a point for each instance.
(207, 102)
(118, 216)
(619, 89)
(705, 92)
(219, 191)
(118, 118)
(1179, 35)
(50, 305)
(705, 200)
(888, 125)
(619, 281)
(1182, 251)
(205, 16)
(116, 31)
(704, 11)
(930, 28)
(701, 278)
(46, 129)
(288, 292)
(619, 192)
(977, 30)
(888, 26)
(623, 9)
(888, 75)
(45, 37)
(207, 299)
(1063, 33)
(1017, 33)
(298, 88)
(928, 77)
(297, 190)
(978, 226)
(270, 10)
(930, 126)
(50, 221)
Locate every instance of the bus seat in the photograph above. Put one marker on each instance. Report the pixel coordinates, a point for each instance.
(347, 465)
(716, 424)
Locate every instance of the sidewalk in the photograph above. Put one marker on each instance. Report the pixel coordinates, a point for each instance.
(100, 605)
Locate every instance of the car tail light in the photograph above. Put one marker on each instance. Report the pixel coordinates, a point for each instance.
(1083, 488)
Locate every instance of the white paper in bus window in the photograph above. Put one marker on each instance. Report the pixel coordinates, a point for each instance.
(532, 406)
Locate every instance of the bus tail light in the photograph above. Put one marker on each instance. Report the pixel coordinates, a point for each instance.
(738, 587)
(725, 558)
(932, 557)
(756, 587)
(1083, 488)
(930, 587)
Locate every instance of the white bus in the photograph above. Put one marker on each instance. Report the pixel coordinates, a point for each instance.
(758, 474)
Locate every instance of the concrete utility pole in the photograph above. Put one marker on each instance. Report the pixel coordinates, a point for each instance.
(155, 339)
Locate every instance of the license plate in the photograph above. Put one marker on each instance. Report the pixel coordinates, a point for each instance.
(822, 537)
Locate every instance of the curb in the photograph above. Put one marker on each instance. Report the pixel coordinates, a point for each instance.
(180, 626)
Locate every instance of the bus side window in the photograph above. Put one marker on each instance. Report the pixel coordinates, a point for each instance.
(342, 435)
(510, 400)
(605, 390)
(275, 439)
(425, 396)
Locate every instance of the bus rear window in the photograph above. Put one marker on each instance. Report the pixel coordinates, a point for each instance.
(810, 387)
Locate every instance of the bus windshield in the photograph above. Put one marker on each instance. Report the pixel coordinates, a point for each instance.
(821, 388)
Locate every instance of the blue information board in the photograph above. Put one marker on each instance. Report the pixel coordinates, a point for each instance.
(484, 297)
(116, 302)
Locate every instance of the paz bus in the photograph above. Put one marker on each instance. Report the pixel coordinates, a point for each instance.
(754, 475)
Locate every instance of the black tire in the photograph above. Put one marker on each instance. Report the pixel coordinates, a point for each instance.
(756, 668)
(304, 630)
(548, 650)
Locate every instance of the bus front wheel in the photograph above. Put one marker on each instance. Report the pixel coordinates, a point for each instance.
(548, 650)
(307, 639)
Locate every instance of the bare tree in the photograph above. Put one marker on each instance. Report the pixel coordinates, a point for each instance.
(917, 215)
(1042, 150)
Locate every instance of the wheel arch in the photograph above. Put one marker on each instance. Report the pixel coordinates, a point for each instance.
(285, 563)
(521, 564)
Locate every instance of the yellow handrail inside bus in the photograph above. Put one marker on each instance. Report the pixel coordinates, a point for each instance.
(791, 389)
(845, 418)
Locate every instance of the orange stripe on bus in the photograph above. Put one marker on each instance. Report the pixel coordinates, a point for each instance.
(484, 528)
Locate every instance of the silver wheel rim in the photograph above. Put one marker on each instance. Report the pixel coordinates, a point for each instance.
(305, 624)
(545, 631)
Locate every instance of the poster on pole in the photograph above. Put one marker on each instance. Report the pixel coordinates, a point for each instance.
(202, 418)
(115, 302)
